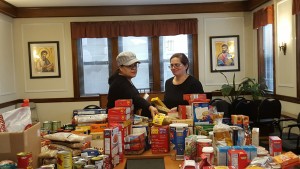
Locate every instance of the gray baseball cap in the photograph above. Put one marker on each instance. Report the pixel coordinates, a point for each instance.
(126, 58)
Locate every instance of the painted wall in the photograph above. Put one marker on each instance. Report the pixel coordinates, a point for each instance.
(15, 82)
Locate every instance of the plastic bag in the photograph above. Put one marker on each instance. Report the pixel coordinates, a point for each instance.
(17, 120)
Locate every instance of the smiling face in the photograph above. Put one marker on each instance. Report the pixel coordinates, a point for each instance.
(129, 71)
(177, 67)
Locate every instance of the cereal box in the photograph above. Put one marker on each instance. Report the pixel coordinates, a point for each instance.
(200, 113)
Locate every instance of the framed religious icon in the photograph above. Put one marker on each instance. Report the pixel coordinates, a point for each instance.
(224, 53)
(44, 59)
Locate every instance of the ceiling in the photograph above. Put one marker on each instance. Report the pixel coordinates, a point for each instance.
(57, 3)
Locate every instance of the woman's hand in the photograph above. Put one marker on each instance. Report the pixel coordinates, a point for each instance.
(153, 111)
(173, 110)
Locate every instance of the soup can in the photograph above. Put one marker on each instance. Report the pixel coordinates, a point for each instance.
(202, 143)
(24, 160)
(47, 125)
(64, 160)
(55, 126)
(178, 133)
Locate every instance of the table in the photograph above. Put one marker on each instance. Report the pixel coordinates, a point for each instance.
(169, 161)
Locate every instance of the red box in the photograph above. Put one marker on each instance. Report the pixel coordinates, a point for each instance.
(160, 142)
(118, 117)
(237, 158)
(119, 110)
(275, 145)
(123, 103)
(189, 97)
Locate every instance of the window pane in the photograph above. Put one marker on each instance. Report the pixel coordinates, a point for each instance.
(169, 46)
(268, 55)
(139, 46)
(95, 66)
(95, 79)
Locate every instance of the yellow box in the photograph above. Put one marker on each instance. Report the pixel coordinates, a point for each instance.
(190, 122)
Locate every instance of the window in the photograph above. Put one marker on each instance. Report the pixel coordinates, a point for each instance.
(263, 22)
(97, 45)
(268, 77)
(96, 62)
(171, 45)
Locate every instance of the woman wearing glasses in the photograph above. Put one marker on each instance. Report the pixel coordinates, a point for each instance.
(121, 87)
(181, 83)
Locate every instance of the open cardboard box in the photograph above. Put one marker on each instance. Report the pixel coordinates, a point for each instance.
(28, 141)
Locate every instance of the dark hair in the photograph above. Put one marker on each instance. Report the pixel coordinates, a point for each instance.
(225, 45)
(44, 52)
(183, 59)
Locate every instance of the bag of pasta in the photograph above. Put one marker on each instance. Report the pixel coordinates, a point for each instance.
(222, 136)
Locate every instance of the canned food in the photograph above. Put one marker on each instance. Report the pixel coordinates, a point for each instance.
(90, 167)
(25, 160)
(78, 165)
(55, 126)
(47, 125)
(64, 160)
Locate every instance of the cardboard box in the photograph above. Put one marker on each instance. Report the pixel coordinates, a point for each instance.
(27, 141)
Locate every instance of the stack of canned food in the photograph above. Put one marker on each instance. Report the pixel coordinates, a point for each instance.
(50, 127)
(66, 161)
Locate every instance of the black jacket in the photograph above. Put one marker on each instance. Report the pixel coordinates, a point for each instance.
(121, 88)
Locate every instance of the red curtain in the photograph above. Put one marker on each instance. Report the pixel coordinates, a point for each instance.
(110, 29)
(263, 17)
(296, 7)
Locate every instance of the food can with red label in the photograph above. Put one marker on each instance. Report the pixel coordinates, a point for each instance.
(24, 160)
(202, 143)
(64, 160)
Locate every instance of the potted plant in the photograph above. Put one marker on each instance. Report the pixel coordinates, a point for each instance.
(247, 86)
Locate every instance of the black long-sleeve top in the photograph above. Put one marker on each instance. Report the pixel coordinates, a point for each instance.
(121, 88)
(174, 93)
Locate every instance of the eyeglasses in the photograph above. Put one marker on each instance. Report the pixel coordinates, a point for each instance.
(176, 65)
(132, 67)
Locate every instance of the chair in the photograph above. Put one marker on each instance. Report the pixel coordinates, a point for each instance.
(290, 127)
(269, 111)
(234, 103)
(248, 108)
(222, 106)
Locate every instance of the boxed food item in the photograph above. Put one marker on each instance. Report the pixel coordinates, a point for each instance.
(94, 128)
(275, 145)
(111, 143)
(287, 159)
(119, 110)
(26, 141)
(160, 139)
(200, 113)
(123, 103)
(237, 158)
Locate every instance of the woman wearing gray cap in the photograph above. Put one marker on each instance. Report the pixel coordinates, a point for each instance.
(121, 87)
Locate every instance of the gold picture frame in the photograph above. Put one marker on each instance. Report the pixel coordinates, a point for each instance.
(225, 53)
(44, 60)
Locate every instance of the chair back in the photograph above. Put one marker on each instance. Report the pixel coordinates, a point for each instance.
(247, 108)
(269, 108)
(234, 103)
(221, 106)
